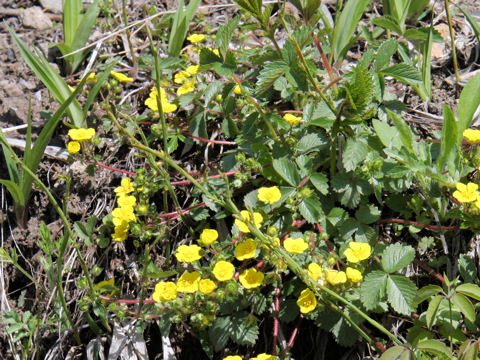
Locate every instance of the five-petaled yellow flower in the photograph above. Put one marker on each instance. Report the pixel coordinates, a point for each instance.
(307, 301)
(152, 103)
(223, 270)
(315, 271)
(357, 251)
(295, 246)
(188, 282)
(165, 291)
(187, 87)
(269, 194)
(292, 119)
(125, 187)
(73, 147)
(81, 134)
(208, 236)
(245, 250)
(194, 38)
(206, 286)
(466, 193)
(251, 278)
(257, 220)
(336, 277)
(354, 275)
(121, 77)
(188, 253)
(472, 135)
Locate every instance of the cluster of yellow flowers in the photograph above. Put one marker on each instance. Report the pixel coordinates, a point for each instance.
(77, 136)
(152, 103)
(123, 214)
(263, 356)
(195, 38)
(467, 193)
(472, 135)
(187, 79)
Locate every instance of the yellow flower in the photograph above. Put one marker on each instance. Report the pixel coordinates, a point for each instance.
(194, 38)
(188, 253)
(232, 357)
(81, 134)
(335, 277)
(257, 220)
(187, 87)
(466, 193)
(192, 69)
(472, 135)
(208, 236)
(206, 286)
(73, 147)
(251, 278)
(269, 194)
(223, 270)
(295, 246)
(124, 213)
(237, 90)
(91, 79)
(292, 119)
(125, 187)
(264, 357)
(315, 271)
(181, 76)
(307, 301)
(121, 77)
(126, 200)
(121, 231)
(245, 250)
(188, 282)
(354, 275)
(357, 251)
(165, 291)
(99, 288)
(151, 102)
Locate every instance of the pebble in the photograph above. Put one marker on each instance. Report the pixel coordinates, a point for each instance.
(35, 18)
(54, 6)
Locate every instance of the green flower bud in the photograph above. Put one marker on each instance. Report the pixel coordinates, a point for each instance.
(96, 270)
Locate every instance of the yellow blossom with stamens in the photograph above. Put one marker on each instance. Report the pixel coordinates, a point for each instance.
(307, 301)
(357, 251)
(466, 193)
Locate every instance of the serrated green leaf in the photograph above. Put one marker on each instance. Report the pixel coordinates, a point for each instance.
(425, 293)
(403, 72)
(465, 306)
(210, 92)
(271, 72)
(311, 210)
(224, 35)
(312, 142)
(432, 310)
(386, 134)
(243, 329)
(396, 257)
(405, 132)
(422, 34)
(354, 153)
(470, 290)
(350, 188)
(287, 169)
(435, 347)
(359, 93)
(373, 288)
(367, 214)
(288, 310)
(218, 333)
(400, 293)
(388, 23)
(320, 181)
(384, 53)
(252, 6)
(396, 353)
(467, 268)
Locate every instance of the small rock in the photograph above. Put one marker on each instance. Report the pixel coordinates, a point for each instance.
(52, 5)
(35, 18)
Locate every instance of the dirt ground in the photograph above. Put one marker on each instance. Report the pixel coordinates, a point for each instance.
(19, 87)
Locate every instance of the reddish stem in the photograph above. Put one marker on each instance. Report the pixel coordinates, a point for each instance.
(429, 270)
(409, 222)
(115, 169)
(324, 58)
(294, 333)
(275, 320)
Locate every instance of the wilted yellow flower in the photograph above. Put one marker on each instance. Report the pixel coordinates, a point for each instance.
(81, 134)
(257, 220)
(188, 282)
(188, 253)
(315, 271)
(251, 278)
(292, 119)
(206, 286)
(125, 187)
(357, 251)
(187, 87)
(245, 250)
(336, 277)
(472, 135)
(73, 147)
(165, 291)
(121, 77)
(269, 194)
(194, 38)
(466, 193)
(208, 236)
(307, 301)
(295, 246)
(354, 275)
(223, 270)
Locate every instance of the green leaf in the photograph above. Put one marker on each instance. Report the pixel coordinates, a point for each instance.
(224, 35)
(218, 333)
(288, 310)
(388, 23)
(287, 170)
(252, 6)
(360, 93)
(465, 306)
(312, 142)
(404, 130)
(400, 293)
(467, 105)
(470, 290)
(350, 188)
(271, 72)
(396, 257)
(372, 289)
(432, 310)
(354, 153)
(243, 328)
(398, 352)
(320, 181)
(311, 210)
(468, 350)
(368, 214)
(97, 87)
(449, 136)
(425, 293)
(403, 72)
(435, 347)
(180, 24)
(14, 191)
(384, 53)
(467, 268)
(386, 134)
(473, 23)
(72, 16)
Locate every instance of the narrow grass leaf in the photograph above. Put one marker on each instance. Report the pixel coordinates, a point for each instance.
(449, 137)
